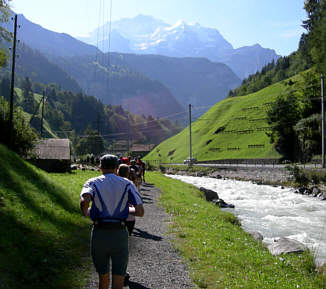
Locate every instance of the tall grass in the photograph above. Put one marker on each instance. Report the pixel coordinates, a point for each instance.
(219, 253)
(43, 238)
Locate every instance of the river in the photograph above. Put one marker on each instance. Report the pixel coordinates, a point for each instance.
(272, 211)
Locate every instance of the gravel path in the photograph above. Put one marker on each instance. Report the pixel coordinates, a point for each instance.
(153, 262)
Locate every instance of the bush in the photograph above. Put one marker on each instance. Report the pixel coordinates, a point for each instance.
(162, 169)
(299, 175)
(23, 136)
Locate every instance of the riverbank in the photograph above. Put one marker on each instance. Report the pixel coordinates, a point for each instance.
(260, 175)
(219, 253)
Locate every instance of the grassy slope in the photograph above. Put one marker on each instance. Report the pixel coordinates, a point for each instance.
(219, 253)
(235, 114)
(43, 238)
(27, 116)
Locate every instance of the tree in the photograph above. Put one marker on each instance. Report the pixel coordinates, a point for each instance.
(308, 131)
(5, 36)
(316, 28)
(23, 135)
(5, 88)
(282, 117)
(90, 143)
(28, 102)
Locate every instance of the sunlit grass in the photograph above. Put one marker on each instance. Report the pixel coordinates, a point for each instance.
(219, 253)
(235, 115)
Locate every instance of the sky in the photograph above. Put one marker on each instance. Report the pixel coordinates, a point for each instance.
(274, 24)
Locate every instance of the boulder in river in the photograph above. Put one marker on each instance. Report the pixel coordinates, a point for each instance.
(74, 167)
(285, 246)
(322, 196)
(209, 194)
(212, 196)
(315, 191)
(257, 236)
(222, 204)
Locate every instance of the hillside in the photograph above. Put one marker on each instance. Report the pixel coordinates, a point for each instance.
(142, 84)
(43, 236)
(191, 80)
(50, 43)
(234, 128)
(118, 85)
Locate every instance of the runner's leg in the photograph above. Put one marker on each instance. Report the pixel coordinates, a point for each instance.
(104, 281)
(117, 281)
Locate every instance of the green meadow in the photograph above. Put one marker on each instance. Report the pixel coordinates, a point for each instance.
(234, 128)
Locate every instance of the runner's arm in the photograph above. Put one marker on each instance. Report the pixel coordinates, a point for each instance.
(139, 210)
(85, 199)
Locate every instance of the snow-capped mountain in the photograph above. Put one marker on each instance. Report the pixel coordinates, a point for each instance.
(184, 39)
(147, 35)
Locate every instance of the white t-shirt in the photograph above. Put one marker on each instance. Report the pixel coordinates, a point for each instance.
(111, 196)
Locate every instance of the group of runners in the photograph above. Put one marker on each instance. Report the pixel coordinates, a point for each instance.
(137, 169)
(112, 201)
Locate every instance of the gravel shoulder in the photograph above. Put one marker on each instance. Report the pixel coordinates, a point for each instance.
(153, 262)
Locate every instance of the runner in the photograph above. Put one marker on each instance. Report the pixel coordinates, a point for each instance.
(110, 196)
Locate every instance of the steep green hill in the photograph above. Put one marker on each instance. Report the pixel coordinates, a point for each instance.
(234, 128)
(43, 238)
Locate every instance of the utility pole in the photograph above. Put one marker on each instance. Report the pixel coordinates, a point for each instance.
(12, 84)
(322, 122)
(190, 145)
(98, 123)
(128, 135)
(43, 101)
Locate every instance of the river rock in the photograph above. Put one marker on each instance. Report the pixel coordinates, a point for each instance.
(302, 190)
(315, 191)
(215, 175)
(286, 246)
(74, 167)
(257, 236)
(222, 204)
(210, 195)
(322, 196)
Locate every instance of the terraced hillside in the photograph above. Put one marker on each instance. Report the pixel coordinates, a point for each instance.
(234, 128)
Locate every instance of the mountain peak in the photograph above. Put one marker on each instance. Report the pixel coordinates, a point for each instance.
(142, 17)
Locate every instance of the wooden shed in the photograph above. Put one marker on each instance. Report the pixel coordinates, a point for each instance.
(141, 149)
(52, 155)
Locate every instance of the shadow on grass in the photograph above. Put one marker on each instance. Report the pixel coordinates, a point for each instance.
(38, 259)
(41, 244)
(19, 170)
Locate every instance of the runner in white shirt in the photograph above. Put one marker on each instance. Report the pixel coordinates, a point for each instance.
(110, 196)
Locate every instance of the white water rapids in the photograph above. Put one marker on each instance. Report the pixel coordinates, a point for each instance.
(272, 211)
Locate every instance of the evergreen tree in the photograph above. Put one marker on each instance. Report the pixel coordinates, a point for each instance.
(90, 143)
(316, 27)
(28, 102)
(5, 36)
(5, 88)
